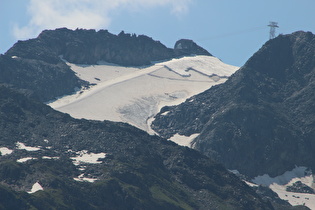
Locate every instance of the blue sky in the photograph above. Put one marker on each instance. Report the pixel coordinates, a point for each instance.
(230, 30)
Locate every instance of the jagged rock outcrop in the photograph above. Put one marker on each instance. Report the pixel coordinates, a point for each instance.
(189, 47)
(90, 46)
(262, 120)
(299, 187)
(139, 171)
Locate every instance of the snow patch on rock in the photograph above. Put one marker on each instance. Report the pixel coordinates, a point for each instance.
(36, 187)
(50, 158)
(280, 183)
(5, 151)
(23, 160)
(81, 178)
(165, 113)
(20, 145)
(184, 140)
(85, 157)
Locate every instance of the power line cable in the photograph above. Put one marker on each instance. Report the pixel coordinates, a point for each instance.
(232, 33)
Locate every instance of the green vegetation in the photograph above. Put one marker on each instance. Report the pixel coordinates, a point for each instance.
(165, 196)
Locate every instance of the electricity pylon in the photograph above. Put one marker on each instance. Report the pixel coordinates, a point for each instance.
(273, 26)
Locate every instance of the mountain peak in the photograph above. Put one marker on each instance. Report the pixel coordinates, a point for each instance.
(41, 57)
(264, 113)
(277, 55)
(83, 46)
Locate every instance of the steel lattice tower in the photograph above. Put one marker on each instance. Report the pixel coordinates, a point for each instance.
(273, 26)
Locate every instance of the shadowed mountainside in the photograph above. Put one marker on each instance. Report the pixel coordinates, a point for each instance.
(139, 171)
(262, 120)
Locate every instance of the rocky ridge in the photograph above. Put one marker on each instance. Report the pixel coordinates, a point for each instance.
(89, 47)
(36, 65)
(261, 120)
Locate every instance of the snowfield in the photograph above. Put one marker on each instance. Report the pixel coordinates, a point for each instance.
(184, 140)
(278, 184)
(136, 95)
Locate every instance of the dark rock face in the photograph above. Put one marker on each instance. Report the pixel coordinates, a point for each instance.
(42, 80)
(89, 47)
(262, 120)
(139, 171)
(189, 47)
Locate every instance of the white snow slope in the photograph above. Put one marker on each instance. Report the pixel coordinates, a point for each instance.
(279, 184)
(134, 95)
(36, 187)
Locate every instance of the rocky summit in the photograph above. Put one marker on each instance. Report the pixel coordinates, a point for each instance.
(189, 47)
(38, 65)
(89, 47)
(262, 119)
